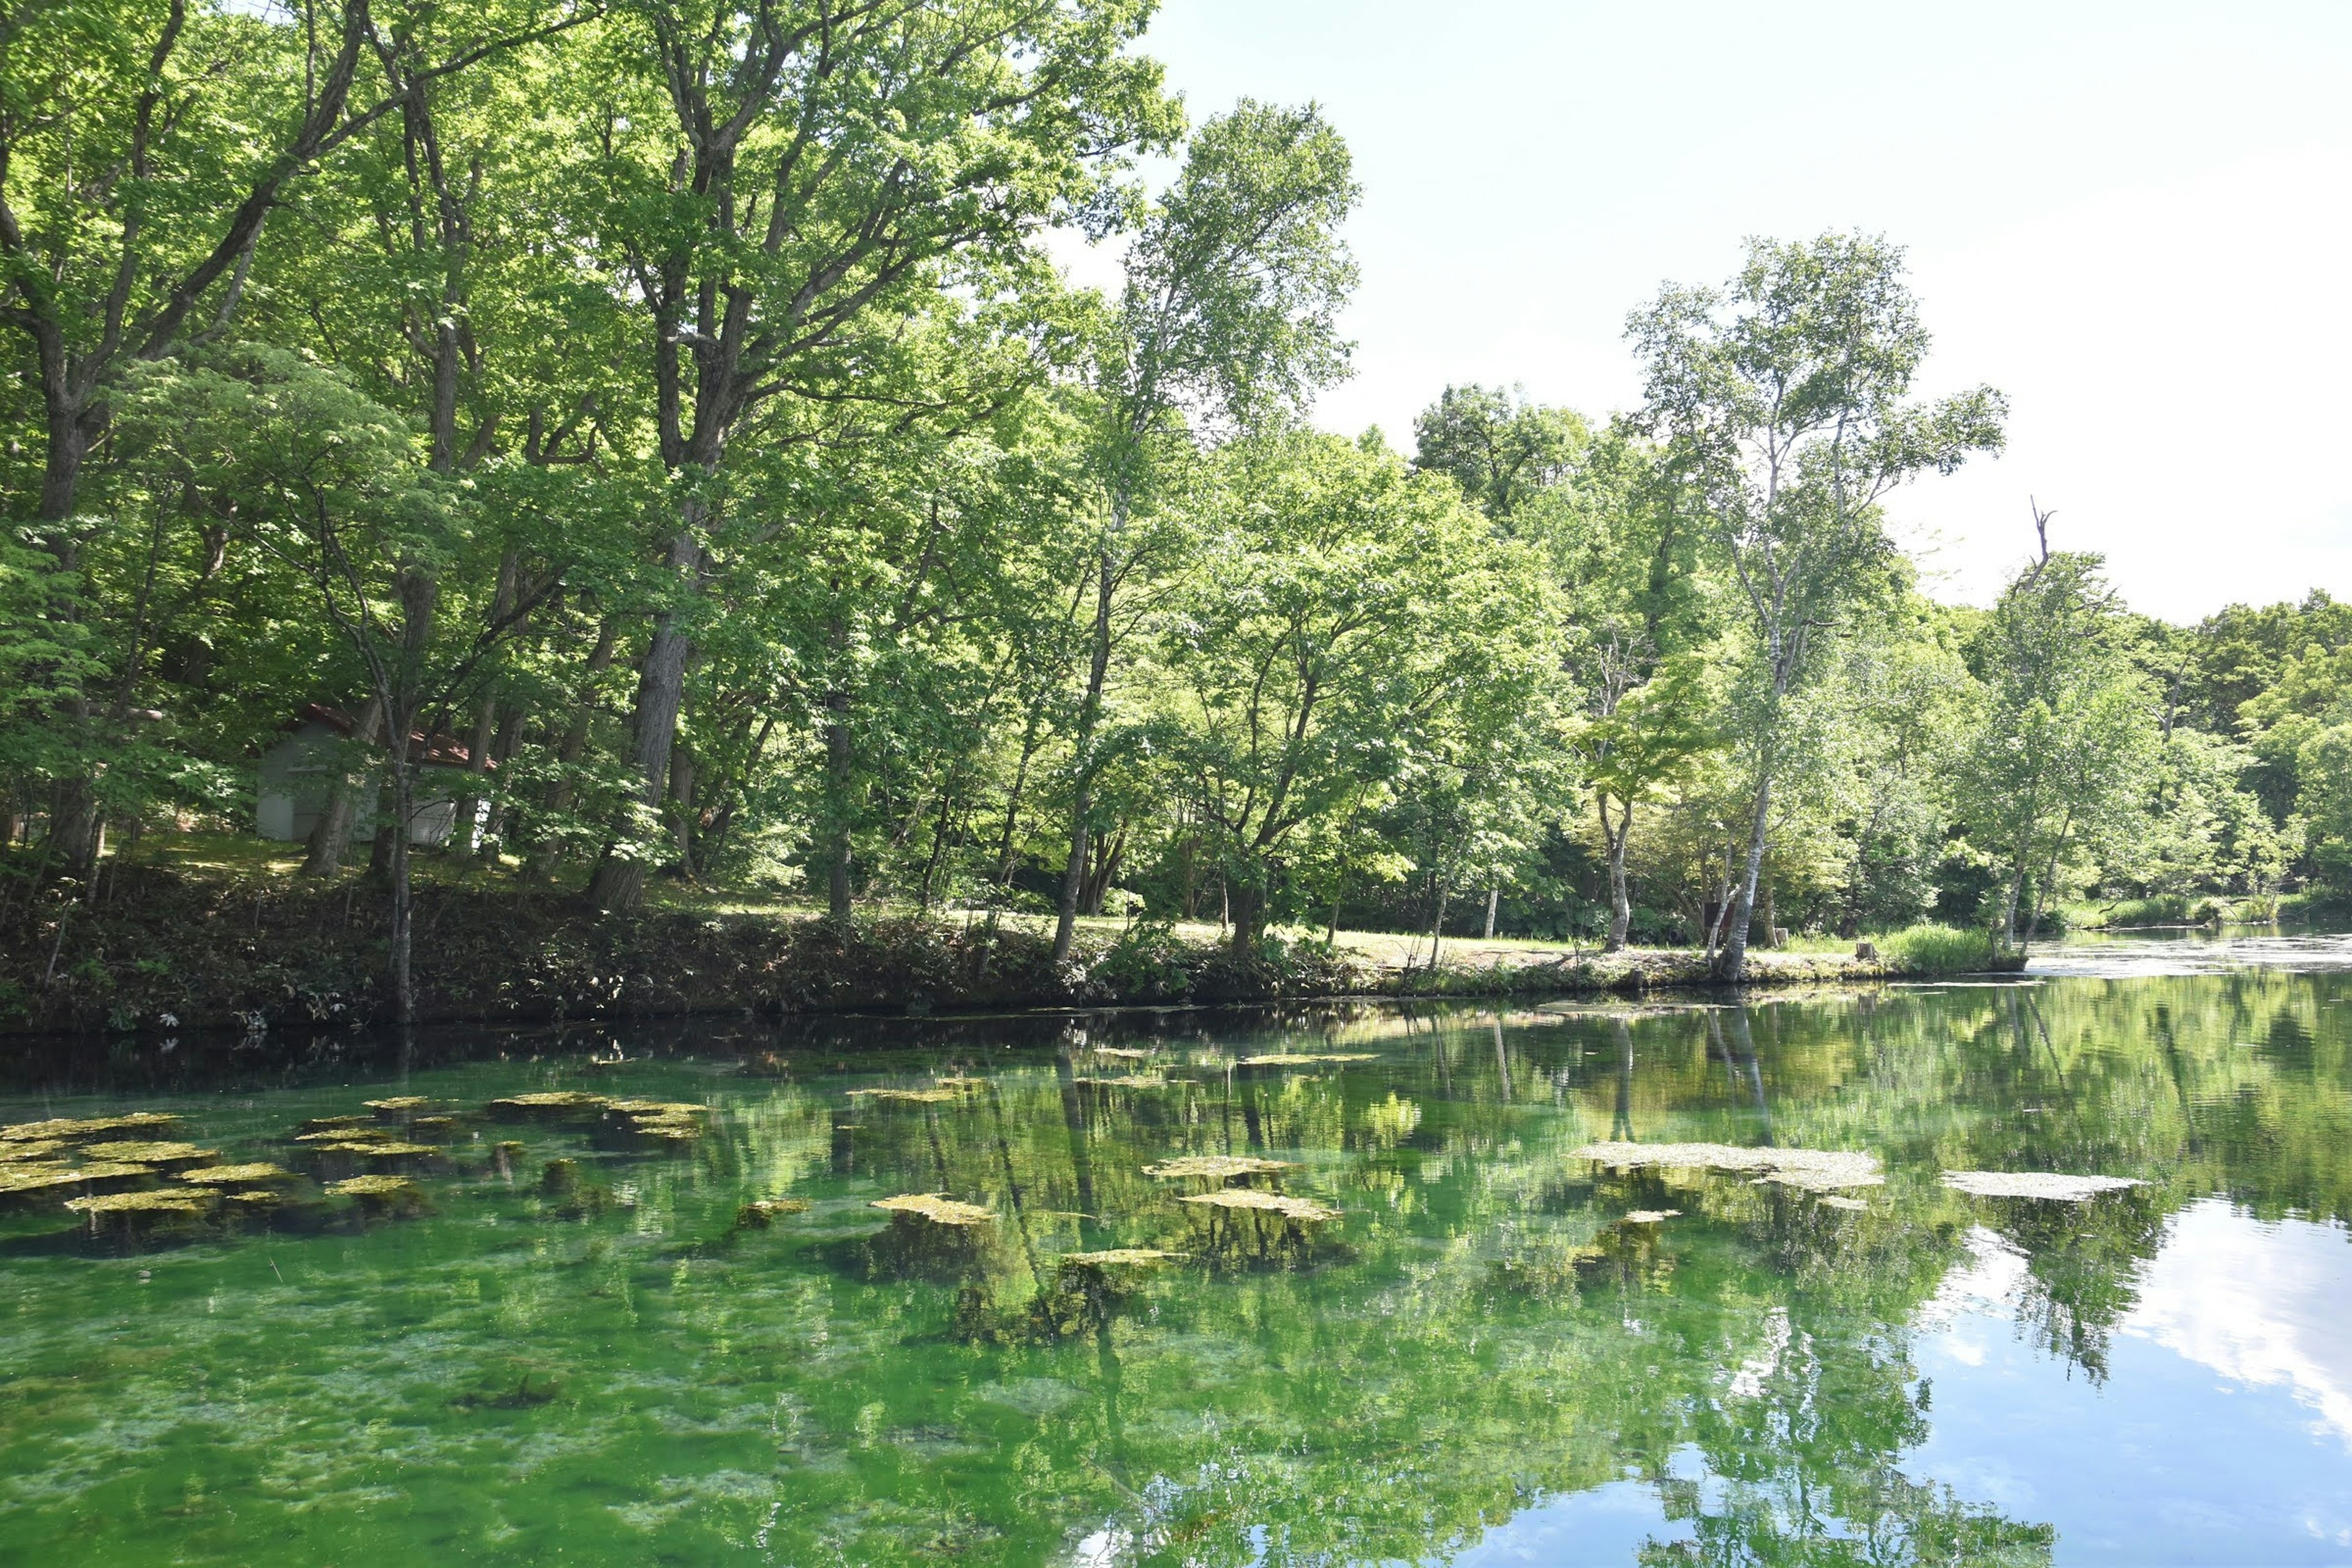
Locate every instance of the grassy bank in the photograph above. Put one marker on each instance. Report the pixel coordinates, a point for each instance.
(196, 940)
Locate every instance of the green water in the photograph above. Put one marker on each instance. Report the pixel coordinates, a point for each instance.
(1478, 1361)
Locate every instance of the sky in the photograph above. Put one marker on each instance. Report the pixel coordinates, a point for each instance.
(2136, 220)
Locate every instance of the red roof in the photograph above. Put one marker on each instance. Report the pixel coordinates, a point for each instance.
(439, 749)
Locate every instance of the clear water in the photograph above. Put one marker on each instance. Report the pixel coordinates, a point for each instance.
(1479, 1362)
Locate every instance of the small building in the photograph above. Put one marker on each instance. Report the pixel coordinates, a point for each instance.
(297, 778)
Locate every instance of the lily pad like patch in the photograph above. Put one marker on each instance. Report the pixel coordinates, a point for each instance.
(2047, 1184)
(1122, 1054)
(907, 1096)
(1118, 1258)
(553, 1105)
(259, 1173)
(1650, 1217)
(398, 1106)
(128, 1204)
(1306, 1059)
(1306, 1209)
(1815, 1170)
(937, 1209)
(133, 1153)
(28, 1152)
(1856, 1206)
(66, 1127)
(340, 1137)
(1215, 1167)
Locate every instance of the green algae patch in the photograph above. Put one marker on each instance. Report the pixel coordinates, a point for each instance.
(137, 1210)
(1126, 1080)
(381, 1195)
(400, 1106)
(329, 1126)
(936, 1208)
(908, 1095)
(348, 1133)
(658, 1108)
(1306, 1210)
(69, 1130)
(1118, 1258)
(761, 1214)
(1305, 1059)
(256, 1174)
(28, 1152)
(1123, 1053)
(1215, 1167)
(1814, 1170)
(163, 1155)
(1852, 1206)
(550, 1105)
(1650, 1217)
(2047, 1185)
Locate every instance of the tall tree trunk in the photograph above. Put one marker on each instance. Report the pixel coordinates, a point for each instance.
(549, 853)
(1437, 922)
(1620, 902)
(681, 803)
(1073, 870)
(1731, 959)
(840, 763)
(1494, 901)
(620, 879)
(332, 832)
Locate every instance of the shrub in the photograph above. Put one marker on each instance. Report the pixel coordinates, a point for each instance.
(1938, 950)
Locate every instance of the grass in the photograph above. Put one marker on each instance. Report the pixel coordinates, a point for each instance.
(1938, 949)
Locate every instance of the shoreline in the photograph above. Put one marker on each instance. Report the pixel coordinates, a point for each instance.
(165, 954)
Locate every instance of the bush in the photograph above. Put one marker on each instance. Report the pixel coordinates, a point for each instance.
(1938, 950)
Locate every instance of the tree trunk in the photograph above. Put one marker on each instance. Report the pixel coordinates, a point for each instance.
(1437, 925)
(1074, 872)
(1494, 901)
(403, 988)
(1731, 959)
(1620, 902)
(1248, 908)
(681, 802)
(839, 764)
(332, 832)
(620, 879)
(549, 853)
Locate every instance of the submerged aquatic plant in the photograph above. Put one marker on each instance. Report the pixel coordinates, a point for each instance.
(1215, 1167)
(1305, 1059)
(259, 1173)
(134, 1153)
(934, 1096)
(762, 1213)
(550, 1105)
(1815, 1170)
(381, 1195)
(2047, 1184)
(134, 1211)
(399, 1107)
(937, 1209)
(72, 1131)
(28, 1152)
(1304, 1210)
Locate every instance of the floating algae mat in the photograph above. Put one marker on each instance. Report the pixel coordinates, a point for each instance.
(712, 1303)
(2046, 1184)
(1815, 1170)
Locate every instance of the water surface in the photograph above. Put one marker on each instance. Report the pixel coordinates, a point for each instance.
(1480, 1361)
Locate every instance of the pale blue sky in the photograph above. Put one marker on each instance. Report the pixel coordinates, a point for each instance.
(2133, 218)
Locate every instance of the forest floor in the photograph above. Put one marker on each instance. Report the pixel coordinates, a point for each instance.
(217, 931)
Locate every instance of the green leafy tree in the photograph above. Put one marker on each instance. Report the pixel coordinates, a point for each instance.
(1780, 398)
(2062, 762)
(1226, 324)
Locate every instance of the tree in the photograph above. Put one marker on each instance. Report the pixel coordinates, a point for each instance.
(1227, 324)
(2063, 759)
(779, 184)
(1347, 623)
(1501, 449)
(1781, 401)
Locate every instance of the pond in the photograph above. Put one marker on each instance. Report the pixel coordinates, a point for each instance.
(1431, 1310)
